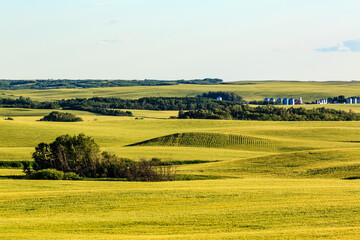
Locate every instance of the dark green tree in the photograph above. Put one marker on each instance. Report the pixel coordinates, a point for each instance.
(79, 154)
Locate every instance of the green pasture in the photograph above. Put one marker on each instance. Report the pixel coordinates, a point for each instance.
(296, 190)
(256, 90)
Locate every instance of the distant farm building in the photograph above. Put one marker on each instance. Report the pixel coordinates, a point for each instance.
(219, 98)
(321, 101)
(283, 101)
(352, 100)
(291, 101)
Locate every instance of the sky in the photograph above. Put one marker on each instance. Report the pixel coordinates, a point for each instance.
(180, 39)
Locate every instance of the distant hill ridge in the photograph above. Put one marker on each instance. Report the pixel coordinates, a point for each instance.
(91, 83)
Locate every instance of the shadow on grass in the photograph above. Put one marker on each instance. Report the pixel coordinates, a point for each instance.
(352, 178)
(177, 178)
(12, 177)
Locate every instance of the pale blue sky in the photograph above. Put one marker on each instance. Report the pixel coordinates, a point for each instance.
(180, 39)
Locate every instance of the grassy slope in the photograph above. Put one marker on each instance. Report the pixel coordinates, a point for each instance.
(254, 91)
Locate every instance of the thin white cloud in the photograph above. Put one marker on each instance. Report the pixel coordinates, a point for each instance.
(281, 49)
(95, 5)
(115, 21)
(345, 46)
(114, 41)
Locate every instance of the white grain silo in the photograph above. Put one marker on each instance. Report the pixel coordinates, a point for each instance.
(286, 101)
(291, 101)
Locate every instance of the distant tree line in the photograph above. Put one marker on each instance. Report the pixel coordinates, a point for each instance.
(23, 102)
(204, 106)
(227, 96)
(270, 113)
(110, 105)
(91, 83)
(147, 103)
(339, 99)
(261, 102)
(80, 155)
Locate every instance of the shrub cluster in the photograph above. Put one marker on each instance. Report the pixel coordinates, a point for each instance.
(14, 164)
(56, 116)
(47, 174)
(53, 174)
(82, 156)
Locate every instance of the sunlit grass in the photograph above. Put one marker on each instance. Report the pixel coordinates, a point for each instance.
(212, 209)
(295, 192)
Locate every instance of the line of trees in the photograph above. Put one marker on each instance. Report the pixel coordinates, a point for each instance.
(227, 96)
(110, 105)
(270, 113)
(90, 106)
(26, 102)
(146, 103)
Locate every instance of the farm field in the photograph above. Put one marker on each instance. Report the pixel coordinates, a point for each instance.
(212, 209)
(164, 120)
(255, 90)
(265, 180)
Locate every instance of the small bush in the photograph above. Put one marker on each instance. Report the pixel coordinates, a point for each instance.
(14, 164)
(9, 118)
(71, 176)
(56, 116)
(47, 174)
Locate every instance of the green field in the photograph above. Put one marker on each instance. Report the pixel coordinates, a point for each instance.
(268, 180)
(256, 90)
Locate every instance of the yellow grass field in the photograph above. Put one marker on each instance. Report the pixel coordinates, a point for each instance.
(298, 189)
(213, 209)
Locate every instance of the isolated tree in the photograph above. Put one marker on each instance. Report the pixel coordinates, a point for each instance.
(79, 154)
